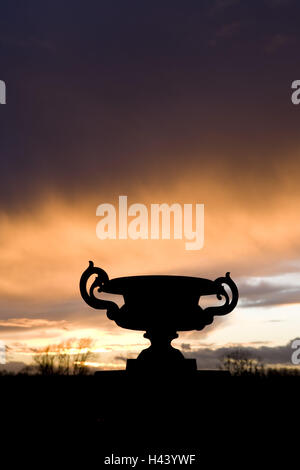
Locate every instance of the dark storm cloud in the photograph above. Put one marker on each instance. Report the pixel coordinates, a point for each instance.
(104, 93)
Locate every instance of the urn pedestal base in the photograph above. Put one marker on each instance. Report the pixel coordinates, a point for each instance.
(160, 356)
(186, 365)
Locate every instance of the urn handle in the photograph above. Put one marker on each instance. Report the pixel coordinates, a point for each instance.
(209, 312)
(99, 283)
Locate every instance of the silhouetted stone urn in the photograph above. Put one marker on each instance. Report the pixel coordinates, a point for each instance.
(160, 306)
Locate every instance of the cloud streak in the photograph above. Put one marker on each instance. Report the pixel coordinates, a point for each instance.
(269, 355)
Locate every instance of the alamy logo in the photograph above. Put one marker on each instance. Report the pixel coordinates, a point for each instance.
(295, 97)
(2, 92)
(296, 354)
(2, 353)
(154, 225)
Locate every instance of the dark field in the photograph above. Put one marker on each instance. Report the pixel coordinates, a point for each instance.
(222, 419)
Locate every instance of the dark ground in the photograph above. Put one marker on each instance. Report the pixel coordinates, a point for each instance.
(224, 420)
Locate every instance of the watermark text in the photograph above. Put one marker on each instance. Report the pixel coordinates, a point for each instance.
(2, 92)
(296, 354)
(137, 222)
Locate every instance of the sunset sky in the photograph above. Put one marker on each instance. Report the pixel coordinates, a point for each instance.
(186, 102)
